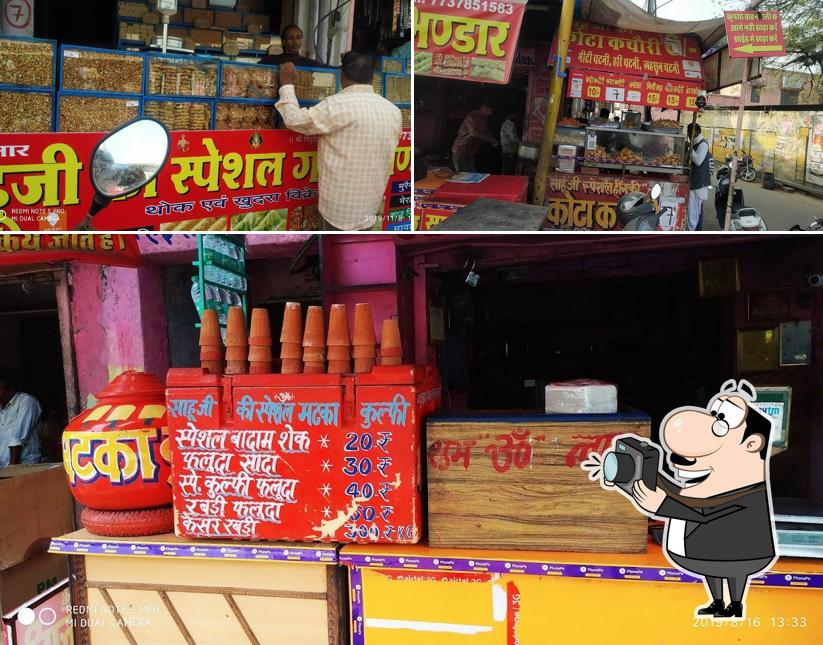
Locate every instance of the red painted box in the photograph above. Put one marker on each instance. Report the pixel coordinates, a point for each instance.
(299, 457)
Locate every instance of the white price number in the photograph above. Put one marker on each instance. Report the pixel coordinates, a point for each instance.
(614, 93)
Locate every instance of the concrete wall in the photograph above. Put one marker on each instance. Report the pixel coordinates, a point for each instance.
(118, 323)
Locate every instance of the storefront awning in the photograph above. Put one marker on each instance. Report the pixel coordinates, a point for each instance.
(44, 248)
(627, 15)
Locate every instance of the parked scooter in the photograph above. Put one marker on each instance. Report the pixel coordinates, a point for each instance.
(124, 161)
(745, 168)
(816, 225)
(743, 218)
(638, 211)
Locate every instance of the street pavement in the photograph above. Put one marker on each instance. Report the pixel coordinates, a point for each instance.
(780, 208)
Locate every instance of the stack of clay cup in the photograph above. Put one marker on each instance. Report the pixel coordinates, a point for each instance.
(314, 342)
(211, 343)
(339, 346)
(363, 339)
(260, 356)
(391, 351)
(291, 340)
(237, 343)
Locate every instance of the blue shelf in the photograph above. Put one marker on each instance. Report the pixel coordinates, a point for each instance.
(42, 41)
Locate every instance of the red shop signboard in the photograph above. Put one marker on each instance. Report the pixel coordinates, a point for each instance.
(635, 53)
(602, 86)
(96, 248)
(304, 458)
(472, 40)
(241, 180)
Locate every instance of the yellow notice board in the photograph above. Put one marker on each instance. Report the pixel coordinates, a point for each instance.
(425, 608)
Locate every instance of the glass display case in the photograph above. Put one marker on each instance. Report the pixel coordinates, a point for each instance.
(568, 149)
(182, 76)
(245, 81)
(638, 149)
(100, 70)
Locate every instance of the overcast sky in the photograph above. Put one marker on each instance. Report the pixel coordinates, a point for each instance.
(693, 9)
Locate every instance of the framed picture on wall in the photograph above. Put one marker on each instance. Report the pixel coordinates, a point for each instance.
(770, 305)
(718, 277)
(796, 342)
(776, 403)
(757, 350)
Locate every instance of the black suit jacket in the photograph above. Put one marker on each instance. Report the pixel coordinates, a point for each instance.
(736, 525)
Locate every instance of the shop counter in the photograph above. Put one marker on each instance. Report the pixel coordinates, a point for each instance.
(165, 589)
(585, 202)
(501, 597)
(437, 198)
(495, 215)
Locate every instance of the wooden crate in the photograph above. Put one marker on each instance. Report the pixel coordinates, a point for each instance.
(515, 482)
(172, 591)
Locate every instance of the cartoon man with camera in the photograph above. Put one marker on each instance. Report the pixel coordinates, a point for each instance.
(717, 508)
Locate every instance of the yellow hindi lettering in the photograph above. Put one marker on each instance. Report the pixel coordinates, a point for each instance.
(115, 459)
(266, 170)
(232, 169)
(402, 159)
(308, 164)
(42, 181)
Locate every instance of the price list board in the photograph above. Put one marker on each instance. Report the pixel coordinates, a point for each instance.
(300, 457)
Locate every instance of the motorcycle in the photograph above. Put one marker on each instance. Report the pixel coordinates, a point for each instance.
(743, 218)
(816, 225)
(124, 161)
(745, 168)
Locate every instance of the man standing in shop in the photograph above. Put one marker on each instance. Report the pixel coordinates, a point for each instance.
(509, 144)
(292, 40)
(701, 176)
(473, 133)
(19, 425)
(358, 132)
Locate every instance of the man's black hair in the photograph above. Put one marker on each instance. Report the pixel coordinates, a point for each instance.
(358, 67)
(693, 128)
(604, 113)
(287, 27)
(486, 101)
(758, 423)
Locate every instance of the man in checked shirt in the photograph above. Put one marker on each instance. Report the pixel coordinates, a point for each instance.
(358, 132)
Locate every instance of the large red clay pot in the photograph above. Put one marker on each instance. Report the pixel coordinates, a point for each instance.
(117, 454)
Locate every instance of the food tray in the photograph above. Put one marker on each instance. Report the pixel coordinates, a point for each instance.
(647, 127)
(101, 70)
(182, 75)
(136, 32)
(178, 114)
(94, 113)
(393, 64)
(26, 111)
(27, 62)
(244, 116)
(248, 81)
(273, 220)
(315, 84)
(397, 88)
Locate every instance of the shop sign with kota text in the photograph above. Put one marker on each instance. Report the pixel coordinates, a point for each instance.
(471, 40)
(754, 34)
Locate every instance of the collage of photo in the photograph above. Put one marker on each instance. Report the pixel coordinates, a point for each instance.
(411, 322)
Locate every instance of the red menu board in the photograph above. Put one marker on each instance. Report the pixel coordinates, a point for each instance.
(473, 40)
(243, 180)
(305, 458)
(602, 86)
(635, 53)
(754, 33)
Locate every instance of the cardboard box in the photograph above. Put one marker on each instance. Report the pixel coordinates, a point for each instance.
(244, 41)
(419, 596)
(261, 20)
(35, 506)
(228, 19)
(283, 593)
(207, 37)
(199, 16)
(24, 581)
(513, 481)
